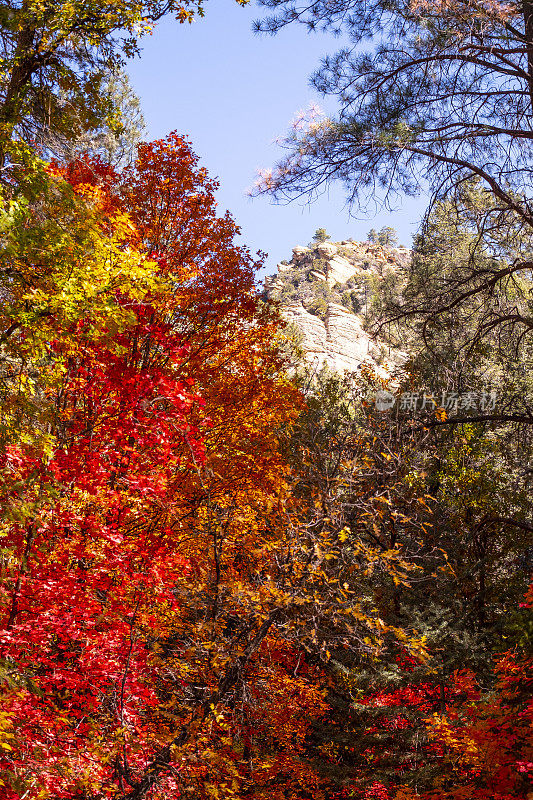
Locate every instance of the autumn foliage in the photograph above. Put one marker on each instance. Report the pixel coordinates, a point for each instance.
(140, 463)
(221, 579)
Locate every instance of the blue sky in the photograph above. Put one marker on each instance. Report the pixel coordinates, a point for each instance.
(233, 93)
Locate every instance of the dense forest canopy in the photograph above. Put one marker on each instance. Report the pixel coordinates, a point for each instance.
(223, 574)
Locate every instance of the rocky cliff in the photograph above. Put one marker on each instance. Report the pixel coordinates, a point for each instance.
(325, 291)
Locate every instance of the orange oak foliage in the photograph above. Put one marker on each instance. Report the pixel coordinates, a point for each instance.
(136, 595)
(170, 593)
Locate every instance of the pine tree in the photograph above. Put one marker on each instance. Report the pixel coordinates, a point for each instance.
(320, 235)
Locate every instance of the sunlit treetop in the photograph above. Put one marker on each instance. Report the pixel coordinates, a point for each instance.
(57, 58)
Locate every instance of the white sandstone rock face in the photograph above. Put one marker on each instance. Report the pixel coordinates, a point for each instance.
(340, 270)
(347, 341)
(313, 332)
(339, 340)
(326, 249)
(348, 345)
(299, 253)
